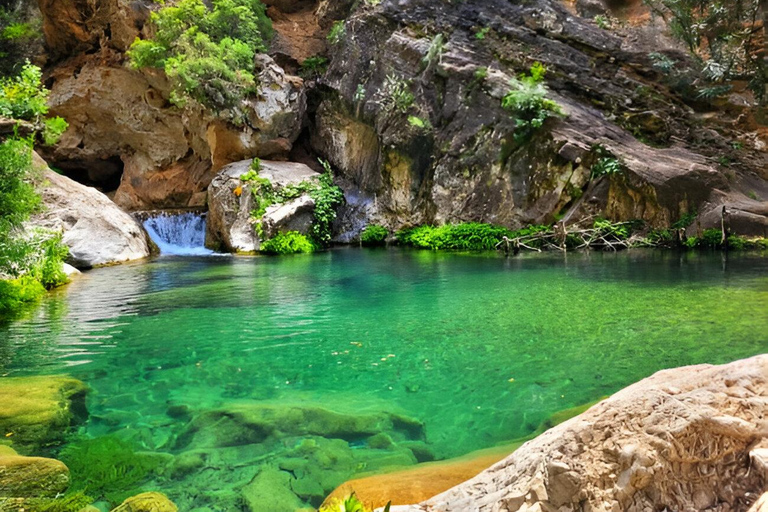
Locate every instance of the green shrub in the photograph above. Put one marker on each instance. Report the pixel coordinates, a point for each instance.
(291, 242)
(16, 293)
(107, 468)
(24, 97)
(471, 236)
(374, 234)
(606, 166)
(396, 94)
(349, 504)
(207, 53)
(527, 101)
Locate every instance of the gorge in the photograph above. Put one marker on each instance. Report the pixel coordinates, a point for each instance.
(351, 255)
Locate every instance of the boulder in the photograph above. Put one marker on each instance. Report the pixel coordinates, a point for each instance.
(691, 438)
(147, 502)
(230, 201)
(270, 490)
(37, 411)
(96, 231)
(32, 477)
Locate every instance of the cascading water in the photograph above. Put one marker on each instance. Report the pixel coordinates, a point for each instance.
(181, 234)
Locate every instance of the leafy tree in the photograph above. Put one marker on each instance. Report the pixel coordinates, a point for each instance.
(207, 53)
(722, 36)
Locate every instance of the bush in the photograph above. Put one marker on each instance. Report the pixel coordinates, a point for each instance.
(337, 33)
(207, 53)
(24, 98)
(374, 234)
(291, 242)
(470, 236)
(527, 101)
(16, 293)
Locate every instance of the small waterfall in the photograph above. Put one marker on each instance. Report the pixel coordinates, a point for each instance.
(181, 234)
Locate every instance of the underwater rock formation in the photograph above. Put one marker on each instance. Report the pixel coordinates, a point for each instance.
(147, 502)
(96, 231)
(31, 477)
(37, 411)
(691, 438)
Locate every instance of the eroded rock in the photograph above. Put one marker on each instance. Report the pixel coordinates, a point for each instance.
(147, 502)
(96, 231)
(681, 439)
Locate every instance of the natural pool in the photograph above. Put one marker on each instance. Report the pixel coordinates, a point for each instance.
(479, 348)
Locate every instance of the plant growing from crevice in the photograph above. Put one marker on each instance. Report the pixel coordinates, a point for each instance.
(337, 33)
(434, 53)
(396, 94)
(291, 242)
(313, 67)
(528, 103)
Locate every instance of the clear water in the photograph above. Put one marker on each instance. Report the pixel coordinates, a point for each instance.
(480, 348)
(179, 234)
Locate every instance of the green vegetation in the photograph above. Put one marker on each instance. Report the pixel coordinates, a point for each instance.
(70, 502)
(324, 193)
(20, 36)
(30, 260)
(603, 21)
(374, 234)
(291, 242)
(528, 103)
(349, 504)
(313, 67)
(605, 166)
(419, 123)
(207, 53)
(107, 468)
(337, 33)
(471, 236)
(396, 95)
(434, 52)
(480, 34)
(722, 39)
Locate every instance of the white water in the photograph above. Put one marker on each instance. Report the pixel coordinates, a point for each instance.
(180, 234)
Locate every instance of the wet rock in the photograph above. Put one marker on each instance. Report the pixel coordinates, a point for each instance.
(270, 491)
(96, 231)
(682, 439)
(37, 411)
(230, 202)
(147, 502)
(421, 481)
(32, 477)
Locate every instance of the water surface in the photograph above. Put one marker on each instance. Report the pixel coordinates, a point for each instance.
(480, 348)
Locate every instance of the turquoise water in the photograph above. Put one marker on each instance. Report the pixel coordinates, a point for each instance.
(479, 348)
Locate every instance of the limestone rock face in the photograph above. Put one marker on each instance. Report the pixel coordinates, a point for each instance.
(124, 133)
(230, 202)
(147, 502)
(691, 438)
(465, 164)
(96, 230)
(37, 411)
(32, 477)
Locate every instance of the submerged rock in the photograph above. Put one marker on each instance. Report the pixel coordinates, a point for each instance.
(147, 502)
(270, 491)
(230, 202)
(32, 477)
(691, 438)
(254, 422)
(96, 230)
(37, 411)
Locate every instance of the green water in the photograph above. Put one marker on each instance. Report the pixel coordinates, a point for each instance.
(480, 348)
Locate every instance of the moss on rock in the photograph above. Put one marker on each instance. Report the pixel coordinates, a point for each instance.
(37, 411)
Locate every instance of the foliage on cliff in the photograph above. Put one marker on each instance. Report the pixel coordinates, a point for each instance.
(207, 53)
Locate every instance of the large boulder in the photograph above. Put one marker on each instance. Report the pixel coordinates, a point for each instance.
(96, 231)
(691, 438)
(37, 411)
(230, 202)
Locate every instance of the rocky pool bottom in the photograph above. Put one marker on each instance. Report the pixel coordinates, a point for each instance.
(263, 383)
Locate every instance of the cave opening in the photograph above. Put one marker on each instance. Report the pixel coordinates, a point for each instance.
(102, 174)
